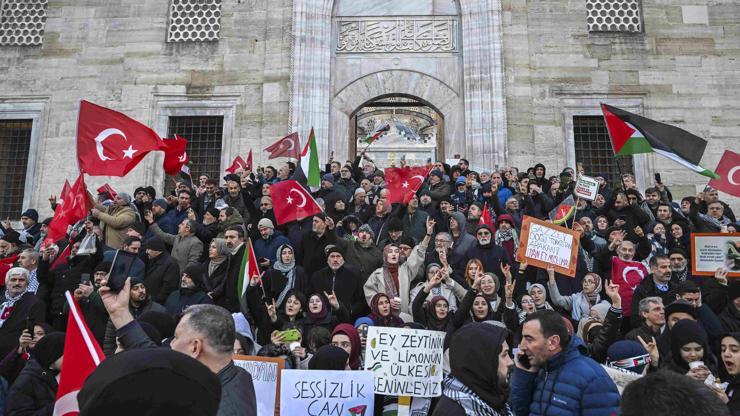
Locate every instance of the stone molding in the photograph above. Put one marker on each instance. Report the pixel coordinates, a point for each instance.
(399, 35)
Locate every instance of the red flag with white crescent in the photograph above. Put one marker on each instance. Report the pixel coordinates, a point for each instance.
(75, 208)
(292, 202)
(175, 155)
(288, 146)
(486, 217)
(628, 275)
(403, 183)
(82, 355)
(110, 143)
(729, 171)
(237, 164)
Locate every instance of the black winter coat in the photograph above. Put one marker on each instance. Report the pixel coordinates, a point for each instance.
(27, 306)
(216, 282)
(346, 284)
(162, 277)
(311, 254)
(33, 393)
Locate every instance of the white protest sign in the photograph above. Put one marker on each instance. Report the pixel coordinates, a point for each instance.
(587, 187)
(405, 362)
(265, 372)
(544, 244)
(329, 393)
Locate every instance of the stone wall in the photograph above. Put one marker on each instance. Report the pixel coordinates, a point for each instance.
(682, 70)
(114, 53)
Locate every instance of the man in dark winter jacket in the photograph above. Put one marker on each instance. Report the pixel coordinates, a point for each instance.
(554, 375)
(362, 254)
(34, 391)
(162, 272)
(341, 280)
(479, 378)
(190, 292)
(490, 254)
(657, 283)
(16, 305)
(265, 248)
(311, 254)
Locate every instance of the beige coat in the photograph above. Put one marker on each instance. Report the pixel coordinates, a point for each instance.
(114, 222)
(406, 272)
(185, 249)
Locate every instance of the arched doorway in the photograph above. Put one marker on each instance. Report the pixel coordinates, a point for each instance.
(415, 130)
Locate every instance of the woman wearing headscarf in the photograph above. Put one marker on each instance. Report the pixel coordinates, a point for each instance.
(381, 312)
(475, 306)
(479, 372)
(216, 269)
(690, 353)
(730, 371)
(539, 296)
(323, 311)
(506, 235)
(448, 288)
(116, 219)
(329, 357)
(579, 304)
(16, 359)
(345, 336)
(601, 328)
(268, 316)
(34, 391)
(434, 314)
(284, 275)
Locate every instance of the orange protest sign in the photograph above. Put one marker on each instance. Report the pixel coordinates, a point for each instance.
(543, 244)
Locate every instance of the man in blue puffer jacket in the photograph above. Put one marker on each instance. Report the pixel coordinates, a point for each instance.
(560, 380)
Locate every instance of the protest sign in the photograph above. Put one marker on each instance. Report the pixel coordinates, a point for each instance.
(405, 362)
(711, 251)
(587, 187)
(265, 372)
(544, 244)
(330, 393)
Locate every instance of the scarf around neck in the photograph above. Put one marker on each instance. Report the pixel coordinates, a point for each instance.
(471, 403)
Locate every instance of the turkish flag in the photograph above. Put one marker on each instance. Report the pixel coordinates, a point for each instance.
(288, 146)
(82, 355)
(238, 163)
(110, 143)
(249, 160)
(107, 189)
(292, 202)
(175, 155)
(628, 275)
(65, 190)
(486, 218)
(5, 265)
(402, 183)
(75, 208)
(729, 172)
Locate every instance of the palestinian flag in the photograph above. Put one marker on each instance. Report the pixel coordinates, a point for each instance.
(377, 133)
(248, 269)
(632, 134)
(563, 212)
(310, 162)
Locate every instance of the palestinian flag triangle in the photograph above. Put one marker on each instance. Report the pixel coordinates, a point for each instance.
(563, 212)
(310, 162)
(248, 269)
(632, 134)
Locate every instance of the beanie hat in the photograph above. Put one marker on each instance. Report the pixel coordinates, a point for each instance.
(364, 320)
(156, 244)
(438, 173)
(366, 228)
(32, 214)
(49, 349)
(195, 271)
(359, 190)
(395, 224)
(139, 189)
(160, 203)
(265, 223)
(103, 267)
(407, 241)
(46, 221)
(151, 191)
(331, 248)
(628, 355)
(214, 212)
(460, 181)
(232, 177)
(677, 250)
(328, 177)
(483, 226)
(12, 237)
(135, 280)
(680, 305)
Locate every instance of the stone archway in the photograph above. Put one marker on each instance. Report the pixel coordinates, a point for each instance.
(385, 83)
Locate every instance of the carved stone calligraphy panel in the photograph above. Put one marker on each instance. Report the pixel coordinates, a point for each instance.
(397, 35)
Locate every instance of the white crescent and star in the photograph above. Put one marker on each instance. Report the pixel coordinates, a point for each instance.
(629, 269)
(100, 138)
(183, 157)
(289, 200)
(731, 173)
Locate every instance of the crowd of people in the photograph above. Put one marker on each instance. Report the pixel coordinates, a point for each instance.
(519, 339)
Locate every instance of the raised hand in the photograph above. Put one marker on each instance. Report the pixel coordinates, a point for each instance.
(612, 290)
(333, 301)
(652, 349)
(271, 311)
(721, 275)
(551, 273)
(506, 270)
(430, 225)
(509, 290)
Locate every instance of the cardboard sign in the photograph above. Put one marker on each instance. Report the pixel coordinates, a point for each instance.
(265, 372)
(405, 362)
(330, 393)
(710, 251)
(587, 187)
(543, 244)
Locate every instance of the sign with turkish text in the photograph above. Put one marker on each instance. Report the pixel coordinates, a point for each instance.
(587, 187)
(711, 251)
(405, 362)
(544, 244)
(265, 372)
(314, 392)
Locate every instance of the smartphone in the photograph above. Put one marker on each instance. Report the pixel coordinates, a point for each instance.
(29, 325)
(363, 331)
(291, 335)
(523, 359)
(120, 270)
(85, 279)
(657, 178)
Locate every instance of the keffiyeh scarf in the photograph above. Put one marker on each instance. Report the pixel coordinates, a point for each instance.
(473, 405)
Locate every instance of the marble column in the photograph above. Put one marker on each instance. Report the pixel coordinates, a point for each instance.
(483, 80)
(310, 70)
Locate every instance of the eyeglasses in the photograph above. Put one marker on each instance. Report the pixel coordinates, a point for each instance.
(440, 241)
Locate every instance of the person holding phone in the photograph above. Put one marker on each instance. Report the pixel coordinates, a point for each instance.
(553, 375)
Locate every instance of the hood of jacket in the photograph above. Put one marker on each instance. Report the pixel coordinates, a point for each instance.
(461, 220)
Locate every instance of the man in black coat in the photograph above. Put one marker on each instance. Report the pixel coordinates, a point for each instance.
(16, 306)
(162, 272)
(491, 255)
(657, 283)
(311, 254)
(342, 280)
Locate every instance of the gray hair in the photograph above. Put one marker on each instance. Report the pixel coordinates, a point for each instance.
(215, 324)
(446, 235)
(33, 254)
(17, 271)
(644, 304)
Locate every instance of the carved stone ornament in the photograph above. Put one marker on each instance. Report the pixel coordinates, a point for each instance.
(397, 35)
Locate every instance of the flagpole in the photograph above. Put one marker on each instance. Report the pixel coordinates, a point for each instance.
(611, 142)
